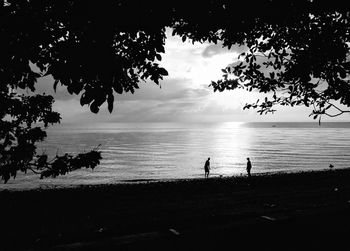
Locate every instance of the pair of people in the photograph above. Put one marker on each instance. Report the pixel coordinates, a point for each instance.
(207, 167)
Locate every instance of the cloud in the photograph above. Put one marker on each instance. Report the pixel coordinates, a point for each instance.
(176, 88)
(184, 95)
(217, 49)
(149, 103)
(45, 85)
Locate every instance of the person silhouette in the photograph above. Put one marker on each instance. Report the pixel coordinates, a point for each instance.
(207, 168)
(249, 167)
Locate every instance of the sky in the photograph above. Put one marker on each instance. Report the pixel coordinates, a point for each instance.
(184, 96)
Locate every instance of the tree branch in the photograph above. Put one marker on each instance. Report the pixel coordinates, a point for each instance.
(36, 172)
(340, 110)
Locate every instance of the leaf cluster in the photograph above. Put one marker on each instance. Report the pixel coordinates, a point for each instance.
(305, 62)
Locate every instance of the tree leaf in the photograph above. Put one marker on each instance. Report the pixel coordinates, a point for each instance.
(110, 101)
(163, 72)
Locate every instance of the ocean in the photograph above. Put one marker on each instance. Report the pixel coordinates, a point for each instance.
(136, 152)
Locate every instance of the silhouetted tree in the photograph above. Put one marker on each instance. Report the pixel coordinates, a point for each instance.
(84, 45)
(300, 56)
(100, 49)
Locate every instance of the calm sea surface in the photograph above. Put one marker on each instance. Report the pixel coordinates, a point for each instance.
(148, 151)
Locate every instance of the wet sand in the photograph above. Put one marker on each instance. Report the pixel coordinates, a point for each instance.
(297, 211)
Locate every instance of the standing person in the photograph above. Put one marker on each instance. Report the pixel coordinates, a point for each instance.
(249, 167)
(207, 168)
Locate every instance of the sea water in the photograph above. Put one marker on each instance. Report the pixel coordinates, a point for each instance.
(161, 151)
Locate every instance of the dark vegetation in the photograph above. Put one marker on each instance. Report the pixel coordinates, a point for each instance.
(297, 51)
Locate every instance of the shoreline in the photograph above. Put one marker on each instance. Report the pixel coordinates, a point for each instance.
(221, 207)
(242, 175)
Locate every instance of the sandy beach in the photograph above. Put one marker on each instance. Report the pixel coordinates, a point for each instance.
(307, 210)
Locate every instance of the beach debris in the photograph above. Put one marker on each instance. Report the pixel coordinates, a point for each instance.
(269, 205)
(101, 230)
(331, 166)
(174, 231)
(268, 218)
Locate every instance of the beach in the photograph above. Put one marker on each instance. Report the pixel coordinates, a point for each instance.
(295, 210)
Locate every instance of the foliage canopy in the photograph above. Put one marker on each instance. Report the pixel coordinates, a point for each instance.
(298, 51)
